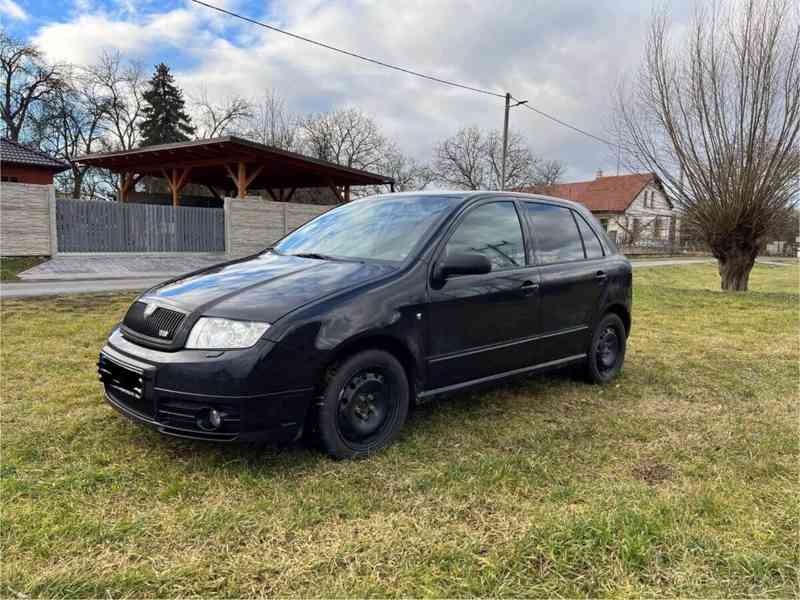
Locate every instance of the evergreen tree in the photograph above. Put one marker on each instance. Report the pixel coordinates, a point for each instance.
(165, 119)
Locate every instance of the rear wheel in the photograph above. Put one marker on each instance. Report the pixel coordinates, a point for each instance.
(364, 405)
(607, 350)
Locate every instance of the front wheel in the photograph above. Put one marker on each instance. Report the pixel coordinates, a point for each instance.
(607, 350)
(364, 405)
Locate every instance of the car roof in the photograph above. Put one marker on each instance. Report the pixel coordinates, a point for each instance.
(474, 195)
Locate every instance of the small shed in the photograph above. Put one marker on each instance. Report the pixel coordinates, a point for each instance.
(23, 164)
(231, 163)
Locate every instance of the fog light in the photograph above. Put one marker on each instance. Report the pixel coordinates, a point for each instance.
(210, 420)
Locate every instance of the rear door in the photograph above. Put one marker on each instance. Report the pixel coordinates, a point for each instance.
(571, 284)
(479, 325)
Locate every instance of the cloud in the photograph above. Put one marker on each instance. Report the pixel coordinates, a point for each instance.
(563, 57)
(12, 10)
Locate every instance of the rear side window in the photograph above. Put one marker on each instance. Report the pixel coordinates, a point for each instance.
(591, 242)
(555, 234)
(492, 230)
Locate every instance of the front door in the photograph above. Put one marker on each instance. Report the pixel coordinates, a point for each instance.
(478, 324)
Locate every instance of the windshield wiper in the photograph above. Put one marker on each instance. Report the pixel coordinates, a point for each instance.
(316, 255)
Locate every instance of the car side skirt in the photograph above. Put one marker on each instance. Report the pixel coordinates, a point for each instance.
(427, 394)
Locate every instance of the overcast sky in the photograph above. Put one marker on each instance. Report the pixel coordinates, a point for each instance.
(563, 56)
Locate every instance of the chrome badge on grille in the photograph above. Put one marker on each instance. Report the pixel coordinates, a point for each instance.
(149, 309)
(163, 333)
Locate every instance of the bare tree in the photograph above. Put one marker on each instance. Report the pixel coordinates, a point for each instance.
(71, 125)
(408, 173)
(472, 158)
(123, 84)
(717, 117)
(345, 136)
(271, 123)
(27, 81)
(460, 161)
(214, 119)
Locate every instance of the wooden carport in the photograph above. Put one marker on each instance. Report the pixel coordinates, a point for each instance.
(231, 163)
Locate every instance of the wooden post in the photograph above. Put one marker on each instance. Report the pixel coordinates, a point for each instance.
(290, 194)
(347, 193)
(127, 182)
(241, 182)
(176, 199)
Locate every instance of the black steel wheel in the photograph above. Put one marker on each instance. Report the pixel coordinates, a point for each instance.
(364, 405)
(607, 350)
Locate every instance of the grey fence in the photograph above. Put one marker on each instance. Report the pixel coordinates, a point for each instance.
(92, 226)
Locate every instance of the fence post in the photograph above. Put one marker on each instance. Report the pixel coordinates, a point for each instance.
(53, 222)
(227, 217)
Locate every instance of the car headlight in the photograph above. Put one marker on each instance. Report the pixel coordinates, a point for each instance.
(212, 333)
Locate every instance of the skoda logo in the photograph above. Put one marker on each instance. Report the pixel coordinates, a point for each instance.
(149, 310)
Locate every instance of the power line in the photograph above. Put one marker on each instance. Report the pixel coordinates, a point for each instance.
(565, 124)
(348, 53)
(401, 69)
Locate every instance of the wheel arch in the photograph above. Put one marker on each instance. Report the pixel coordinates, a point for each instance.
(393, 345)
(622, 312)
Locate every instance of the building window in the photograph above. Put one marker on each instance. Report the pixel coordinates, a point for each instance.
(604, 223)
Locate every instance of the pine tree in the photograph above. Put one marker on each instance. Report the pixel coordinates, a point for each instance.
(165, 119)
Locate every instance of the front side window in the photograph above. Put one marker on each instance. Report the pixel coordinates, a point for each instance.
(379, 228)
(555, 233)
(492, 230)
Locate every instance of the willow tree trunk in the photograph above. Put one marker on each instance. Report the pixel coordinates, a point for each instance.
(734, 270)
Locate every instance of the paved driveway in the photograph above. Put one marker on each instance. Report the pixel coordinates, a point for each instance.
(69, 268)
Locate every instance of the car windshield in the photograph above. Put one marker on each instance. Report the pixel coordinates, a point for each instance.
(379, 228)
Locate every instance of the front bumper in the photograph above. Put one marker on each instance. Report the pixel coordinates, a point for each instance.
(172, 392)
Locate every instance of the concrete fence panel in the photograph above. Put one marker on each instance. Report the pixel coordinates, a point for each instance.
(25, 228)
(252, 224)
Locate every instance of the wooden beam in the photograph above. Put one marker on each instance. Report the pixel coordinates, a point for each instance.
(255, 174)
(183, 180)
(335, 190)
(347, 193)
(272, 194)
(214, 192)
(290, 194)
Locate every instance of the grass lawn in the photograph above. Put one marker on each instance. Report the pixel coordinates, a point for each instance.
(680, 479)
(11, 266)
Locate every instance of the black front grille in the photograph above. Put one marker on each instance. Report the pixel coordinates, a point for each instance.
(160, 324)
(125, 386)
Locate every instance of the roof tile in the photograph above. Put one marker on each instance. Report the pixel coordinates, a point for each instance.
(612, 193)
(20, 154)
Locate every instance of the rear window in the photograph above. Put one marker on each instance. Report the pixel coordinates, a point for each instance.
(594, 249)
(555, 234)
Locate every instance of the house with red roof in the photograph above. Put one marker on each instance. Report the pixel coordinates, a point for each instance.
(634, 209)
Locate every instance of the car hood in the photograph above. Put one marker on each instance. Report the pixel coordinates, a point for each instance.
(262, 288)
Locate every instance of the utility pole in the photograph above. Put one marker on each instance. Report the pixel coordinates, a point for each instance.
(505, 144)
(509, 106)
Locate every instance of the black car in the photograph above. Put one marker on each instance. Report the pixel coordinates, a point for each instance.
(381, 303)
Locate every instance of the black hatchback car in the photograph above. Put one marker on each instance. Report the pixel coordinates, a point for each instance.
(381, 303)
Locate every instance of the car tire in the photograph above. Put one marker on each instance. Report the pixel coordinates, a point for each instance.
(607, 350)
(364, 405)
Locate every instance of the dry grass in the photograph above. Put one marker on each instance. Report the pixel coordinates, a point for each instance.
(678, 480)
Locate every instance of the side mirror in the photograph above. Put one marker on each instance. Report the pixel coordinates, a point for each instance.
(462, 264)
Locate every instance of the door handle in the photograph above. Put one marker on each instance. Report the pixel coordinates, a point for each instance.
(601, 276)
(529, 287)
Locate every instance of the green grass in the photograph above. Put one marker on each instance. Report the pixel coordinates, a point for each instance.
(11, 266)
(680, 479)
